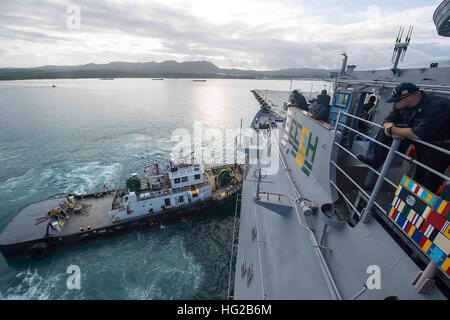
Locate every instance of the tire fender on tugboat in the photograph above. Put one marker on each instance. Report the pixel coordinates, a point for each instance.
(39, 250)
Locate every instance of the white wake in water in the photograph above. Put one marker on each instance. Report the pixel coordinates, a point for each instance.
(62, 178)
(32, 286)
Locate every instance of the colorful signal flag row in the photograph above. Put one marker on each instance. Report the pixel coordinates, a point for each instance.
(436, 203)
(423, 216)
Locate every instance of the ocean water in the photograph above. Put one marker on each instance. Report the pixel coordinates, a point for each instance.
(84, 133)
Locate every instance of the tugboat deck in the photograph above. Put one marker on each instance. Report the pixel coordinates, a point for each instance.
(23, 227)
(96, 217)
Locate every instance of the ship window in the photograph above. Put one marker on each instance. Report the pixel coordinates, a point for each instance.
(181, 199)
(196, 168)
(197, 176)
(342, 100)
(167, 201)
(184, 179)
(177, 180)
(194, 195)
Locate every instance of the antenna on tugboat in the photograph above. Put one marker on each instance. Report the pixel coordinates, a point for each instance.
(240, 135)
(235, 150)
(146, 147)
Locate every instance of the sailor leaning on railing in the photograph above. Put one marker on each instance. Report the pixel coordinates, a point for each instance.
(421, 116)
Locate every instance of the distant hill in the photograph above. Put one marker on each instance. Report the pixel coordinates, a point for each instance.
(166, 69)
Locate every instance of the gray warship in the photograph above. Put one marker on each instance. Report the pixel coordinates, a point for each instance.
(315, 223)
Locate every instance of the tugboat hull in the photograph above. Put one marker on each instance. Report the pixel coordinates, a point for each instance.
(42, 246)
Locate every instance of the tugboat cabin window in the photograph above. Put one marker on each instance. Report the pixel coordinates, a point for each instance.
(197, 176)
(342, 100)
(167, 201)
(194, 195)
(180, 199)
(177, 180)
(184, 179)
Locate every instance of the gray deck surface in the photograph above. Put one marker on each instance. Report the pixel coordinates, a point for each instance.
(285, 263)
(289, 268)
(97, 216)
(22, 227)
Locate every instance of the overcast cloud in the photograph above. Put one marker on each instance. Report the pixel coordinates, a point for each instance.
(250, 34)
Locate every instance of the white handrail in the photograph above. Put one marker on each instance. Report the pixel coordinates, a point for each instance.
(397, 152)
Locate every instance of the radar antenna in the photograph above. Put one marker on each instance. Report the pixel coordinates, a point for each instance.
(399, 37)
(400, 48)
(407, 40)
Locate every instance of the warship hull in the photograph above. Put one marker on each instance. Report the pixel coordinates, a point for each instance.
(317, 223)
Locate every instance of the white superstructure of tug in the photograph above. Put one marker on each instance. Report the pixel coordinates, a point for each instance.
(177, 185)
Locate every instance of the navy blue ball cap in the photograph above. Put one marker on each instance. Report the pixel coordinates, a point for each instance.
(402, 90)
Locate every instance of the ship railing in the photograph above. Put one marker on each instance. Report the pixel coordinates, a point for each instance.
(382, 175)
(233, 244)
(168, 191)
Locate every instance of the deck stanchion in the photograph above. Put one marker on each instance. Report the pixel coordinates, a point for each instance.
(380, 180)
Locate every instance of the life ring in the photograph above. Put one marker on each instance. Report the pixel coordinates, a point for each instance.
(38, 250)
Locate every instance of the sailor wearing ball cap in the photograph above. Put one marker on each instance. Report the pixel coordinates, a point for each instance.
(417, 115)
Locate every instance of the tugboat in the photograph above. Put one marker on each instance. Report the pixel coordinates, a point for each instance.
(163, 195)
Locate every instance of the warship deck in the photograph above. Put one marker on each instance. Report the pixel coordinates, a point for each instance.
(278, 259)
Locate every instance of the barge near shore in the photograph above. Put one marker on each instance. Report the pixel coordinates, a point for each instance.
(162, 196)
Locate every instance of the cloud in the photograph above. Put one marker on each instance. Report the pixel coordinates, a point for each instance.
(262, 35)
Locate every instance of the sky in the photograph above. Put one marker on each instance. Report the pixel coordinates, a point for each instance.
(243, 34)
